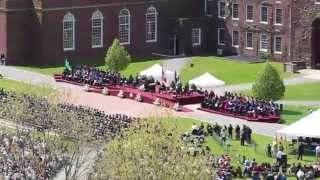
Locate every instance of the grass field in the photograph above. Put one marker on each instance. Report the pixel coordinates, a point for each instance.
(305, 92)
(134, 68)
(235, 150)
(21, 87)
(232, 72)
(292, 114)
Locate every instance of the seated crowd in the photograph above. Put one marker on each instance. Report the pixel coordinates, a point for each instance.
(22, 157)
(100, 124)
(96, 77)
(240, 105)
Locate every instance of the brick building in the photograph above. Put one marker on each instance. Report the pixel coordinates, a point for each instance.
(285, 30)
(46, 31)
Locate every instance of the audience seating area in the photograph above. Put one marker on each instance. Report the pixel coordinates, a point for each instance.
(241, 107)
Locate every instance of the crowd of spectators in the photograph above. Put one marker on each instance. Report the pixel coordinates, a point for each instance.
(96, 77)
(44, 116)
(240, 105)
(22, 157)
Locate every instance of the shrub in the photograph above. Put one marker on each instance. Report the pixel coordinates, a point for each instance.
(269, 85)
(117, 57)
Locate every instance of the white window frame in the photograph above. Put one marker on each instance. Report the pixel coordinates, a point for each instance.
(264, 22)
(249, 48)
(69, 17)
(233, 18)
(236, 46)
(249, 20)
(261, 45)
(219, 7)
(221, 44)
(275, 17)
(127, 24)
(198, 43)
(97, 15)
(155, 13)
(316, 2)
(275, 45)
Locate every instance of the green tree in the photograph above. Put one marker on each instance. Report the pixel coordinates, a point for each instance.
(269, 85)
(117, 57)
(151, 150)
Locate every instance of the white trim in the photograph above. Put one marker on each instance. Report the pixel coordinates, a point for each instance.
(73, 21)
(260, 43)
(129, 26)
(156, 25)
(246, 42)
(219, 7)
(249, 20)
(275, 17)
(264, 22)
(236, 46)
(275, 45)
(233, 18)
(101, 29)
(199, 37)
(221, 44)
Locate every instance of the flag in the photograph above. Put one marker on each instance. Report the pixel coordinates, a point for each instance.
(163, 78)
(67, 64)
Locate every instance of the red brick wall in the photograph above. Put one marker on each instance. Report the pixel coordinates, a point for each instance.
(3, 33)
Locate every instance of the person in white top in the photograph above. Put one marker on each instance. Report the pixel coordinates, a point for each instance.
(300, 174)
(317, 151)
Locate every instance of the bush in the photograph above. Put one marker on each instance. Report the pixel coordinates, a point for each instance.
(117, 57)
(150, 150)
(269, 85)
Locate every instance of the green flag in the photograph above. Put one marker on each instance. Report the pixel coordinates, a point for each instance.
(67, 64)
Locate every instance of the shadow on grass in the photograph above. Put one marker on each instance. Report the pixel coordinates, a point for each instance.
(291, 113)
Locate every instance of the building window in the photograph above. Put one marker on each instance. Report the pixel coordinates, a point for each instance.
(278, 16)
(264, 42)
(208, 4)
(278, 44)
(124, 26)
(235, 39)
(221, 7)
(264, 15)
(68, 32)
(151, 25)
(196, 37)
(235, 11)
(97, 29)
(249, 13)
(221, 36)
(249, 40)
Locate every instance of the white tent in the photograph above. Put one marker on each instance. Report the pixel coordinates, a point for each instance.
(206, 81)
(157, 71)
(306, 127)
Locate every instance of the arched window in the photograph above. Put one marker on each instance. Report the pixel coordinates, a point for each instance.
(97, 29)
(124, 26)
(151, 24)
(68, 32)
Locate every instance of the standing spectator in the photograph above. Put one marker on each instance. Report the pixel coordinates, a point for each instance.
(269, 153)
(318, 151)
(230, 131)
(3, 59)
(238, 132)
(300, 151)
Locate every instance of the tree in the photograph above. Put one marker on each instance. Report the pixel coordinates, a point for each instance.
(117, 57)
(269, 85)
(151, 150)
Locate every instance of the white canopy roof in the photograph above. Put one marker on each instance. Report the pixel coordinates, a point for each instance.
(207, 81)
(306, 127)
(156, 72)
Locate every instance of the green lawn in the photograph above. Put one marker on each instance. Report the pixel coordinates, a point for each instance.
(21, 87)
(134, 68)
(235, 150)
(292, 114)
(230, 71)
(305, 92)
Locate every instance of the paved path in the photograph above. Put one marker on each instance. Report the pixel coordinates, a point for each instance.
(176, 64)
(114, 105)
(301, 103)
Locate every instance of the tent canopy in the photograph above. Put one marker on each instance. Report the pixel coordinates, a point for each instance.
(306, 127)
(206, 81)
(157, 71)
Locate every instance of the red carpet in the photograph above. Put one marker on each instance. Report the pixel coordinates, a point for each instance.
(166, 100)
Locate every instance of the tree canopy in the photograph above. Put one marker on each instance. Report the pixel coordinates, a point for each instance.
(117, 57)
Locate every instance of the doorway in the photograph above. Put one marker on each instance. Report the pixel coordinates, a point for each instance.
(315, 44)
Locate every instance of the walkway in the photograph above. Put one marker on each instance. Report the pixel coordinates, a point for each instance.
(176, 64)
